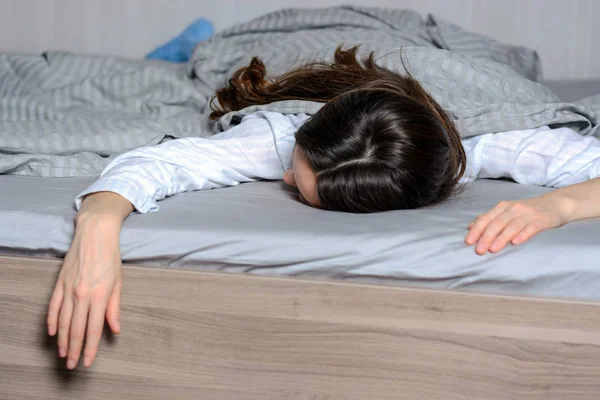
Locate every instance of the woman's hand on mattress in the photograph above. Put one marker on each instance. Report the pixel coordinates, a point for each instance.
(516, 222)
(88, 288)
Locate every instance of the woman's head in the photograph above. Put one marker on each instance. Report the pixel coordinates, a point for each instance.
(379, 143)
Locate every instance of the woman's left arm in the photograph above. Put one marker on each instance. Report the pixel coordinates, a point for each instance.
(517, 221)
(560, 158)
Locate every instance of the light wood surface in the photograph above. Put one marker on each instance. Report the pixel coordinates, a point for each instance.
(202, 335)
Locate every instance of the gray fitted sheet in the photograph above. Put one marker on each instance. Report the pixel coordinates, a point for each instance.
(260, 228)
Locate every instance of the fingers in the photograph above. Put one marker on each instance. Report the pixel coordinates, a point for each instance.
(54, 307)
(507, 235)
(479, 225)
(64, 323)
(490, 233)
(56, 301)
(96, 323)
(527, 233)
(508, 222)
(94, 333)
(499, 232)
(78, 325)
(83, 310)
(114, 307)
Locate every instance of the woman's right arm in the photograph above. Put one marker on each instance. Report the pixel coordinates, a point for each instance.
(244, 153)
(89, 284)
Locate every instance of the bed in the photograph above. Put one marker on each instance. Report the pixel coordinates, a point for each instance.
(191, 330)
(416, 316)
(222, 300)
(262, 229)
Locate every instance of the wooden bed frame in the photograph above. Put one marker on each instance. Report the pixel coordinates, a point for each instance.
(203, 335)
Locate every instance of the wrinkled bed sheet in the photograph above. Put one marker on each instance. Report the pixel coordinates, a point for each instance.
(258, 228)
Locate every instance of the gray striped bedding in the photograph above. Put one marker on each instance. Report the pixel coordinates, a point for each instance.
(63, 114)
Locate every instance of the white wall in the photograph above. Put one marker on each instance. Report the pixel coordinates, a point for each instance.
(564, 32)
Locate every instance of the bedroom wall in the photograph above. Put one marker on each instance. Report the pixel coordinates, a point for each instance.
(562, 31)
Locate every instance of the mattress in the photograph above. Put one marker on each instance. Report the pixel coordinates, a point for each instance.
(261, 228)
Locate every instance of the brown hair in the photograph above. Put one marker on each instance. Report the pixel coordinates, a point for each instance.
(375, 120)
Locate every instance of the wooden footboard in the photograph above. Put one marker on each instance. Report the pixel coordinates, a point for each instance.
(200, 335)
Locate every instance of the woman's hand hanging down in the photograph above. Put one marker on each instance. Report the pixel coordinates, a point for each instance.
(89, 284)
(518, 221)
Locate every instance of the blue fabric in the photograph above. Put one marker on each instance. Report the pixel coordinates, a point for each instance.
(180, 48)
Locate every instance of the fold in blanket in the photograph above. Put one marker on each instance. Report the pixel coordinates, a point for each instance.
(67, 115)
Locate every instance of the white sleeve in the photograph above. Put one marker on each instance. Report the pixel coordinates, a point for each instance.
(244, 153)
(543, 156)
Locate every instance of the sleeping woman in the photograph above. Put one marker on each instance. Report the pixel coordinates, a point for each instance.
(379, 143)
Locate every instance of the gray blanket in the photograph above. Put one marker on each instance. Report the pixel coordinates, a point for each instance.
(68, 115)
(486, 86)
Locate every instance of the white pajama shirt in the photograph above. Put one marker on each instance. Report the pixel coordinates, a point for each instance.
(260, 147)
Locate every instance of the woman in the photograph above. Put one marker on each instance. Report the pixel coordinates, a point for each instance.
(379, 143)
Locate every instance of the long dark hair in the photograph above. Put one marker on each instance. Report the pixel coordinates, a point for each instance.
(380, 142)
